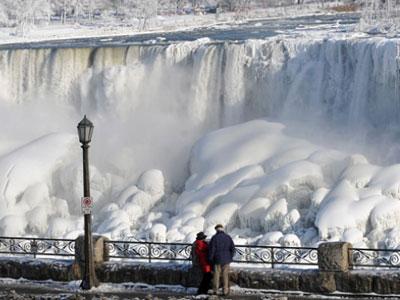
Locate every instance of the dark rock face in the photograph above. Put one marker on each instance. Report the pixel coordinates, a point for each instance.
(314, 281)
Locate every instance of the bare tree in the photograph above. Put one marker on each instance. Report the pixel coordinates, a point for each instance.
(240, 7)
(179, 5)
(145, 9)
(24, 13)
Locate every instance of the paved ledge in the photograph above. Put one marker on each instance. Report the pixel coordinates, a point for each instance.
(312, 281)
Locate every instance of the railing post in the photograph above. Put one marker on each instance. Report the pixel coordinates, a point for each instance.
(149, 252)
(99, 255)
(34, 248)
(334, 256)
(272, 258)
(350, 257)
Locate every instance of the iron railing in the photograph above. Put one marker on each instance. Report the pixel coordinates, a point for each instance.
(37, 246)
(149, 250)
(182, 252)
(152, 251)
(276, 255)
(374, 258)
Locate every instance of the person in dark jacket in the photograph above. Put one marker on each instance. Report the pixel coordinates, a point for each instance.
(221, 251)
(201, 252)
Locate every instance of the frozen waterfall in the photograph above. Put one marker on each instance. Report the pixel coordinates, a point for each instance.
(151, 103)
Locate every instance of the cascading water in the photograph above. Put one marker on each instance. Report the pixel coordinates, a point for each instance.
(151, 103)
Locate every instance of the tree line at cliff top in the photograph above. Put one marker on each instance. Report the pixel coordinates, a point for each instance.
(25, 12)
(22, 15)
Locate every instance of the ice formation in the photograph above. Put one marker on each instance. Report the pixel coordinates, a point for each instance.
(285, 140)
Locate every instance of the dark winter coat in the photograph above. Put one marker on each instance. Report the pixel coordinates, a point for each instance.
(201, 249)
(221, 249)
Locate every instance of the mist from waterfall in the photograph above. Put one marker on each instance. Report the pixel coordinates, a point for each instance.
(152, 101)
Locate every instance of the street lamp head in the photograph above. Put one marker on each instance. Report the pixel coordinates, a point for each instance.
(85, 130)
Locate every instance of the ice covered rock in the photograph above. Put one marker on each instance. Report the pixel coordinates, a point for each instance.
(347, 207)
(290, 240)
(360, 174)
(253, 213)
(116, 224)
(13, 225)
(37, 220)
(126, 194)
(197, 222)
(199, 200)
(353, 236)
(134, 212)
(292, 175)
(332, 162)
(60, 227)
(143, 200)
(152, 182)
(291, 155)
(334, 215)
(158, 233)
(222, 214)
(310, 236)
(275, 214)
(60, 207)
(270, 239)
(174, 235)
(318, 196)
(190, 237)
(32, 164)
(392, 240)
(35, 195)
(226, 150)
(241, 194)
(388, 180)
(386, 215)
(290, 220)
(69, 185)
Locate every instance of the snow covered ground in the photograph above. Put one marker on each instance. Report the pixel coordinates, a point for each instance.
(24, 289)
(288, 138)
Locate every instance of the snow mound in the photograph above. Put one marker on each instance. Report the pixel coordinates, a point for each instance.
(256, 177)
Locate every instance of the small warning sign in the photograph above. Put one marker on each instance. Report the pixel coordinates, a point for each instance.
(87, 205)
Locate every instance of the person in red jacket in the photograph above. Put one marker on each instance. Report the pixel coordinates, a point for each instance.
(201, 251)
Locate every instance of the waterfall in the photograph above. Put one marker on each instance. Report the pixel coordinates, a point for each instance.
(190, 88)
(151, 103)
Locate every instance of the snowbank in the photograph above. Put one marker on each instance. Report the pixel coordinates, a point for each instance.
(300, 190)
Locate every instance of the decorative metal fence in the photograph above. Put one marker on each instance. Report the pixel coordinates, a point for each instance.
(374, 258)
(37, 246)
(149, 250)
(152, 251)
(182, 252)
(276, 255)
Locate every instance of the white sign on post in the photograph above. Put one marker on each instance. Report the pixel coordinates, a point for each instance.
(87, 205)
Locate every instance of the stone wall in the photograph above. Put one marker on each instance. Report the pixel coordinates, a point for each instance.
(314, 281)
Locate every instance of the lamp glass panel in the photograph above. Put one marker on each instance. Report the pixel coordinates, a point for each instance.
(88, 133)
(82, 134)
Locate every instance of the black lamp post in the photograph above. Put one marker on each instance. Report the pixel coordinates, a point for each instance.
(85, 131)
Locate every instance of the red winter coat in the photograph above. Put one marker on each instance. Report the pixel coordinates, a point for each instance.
(201, 248)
